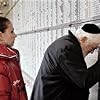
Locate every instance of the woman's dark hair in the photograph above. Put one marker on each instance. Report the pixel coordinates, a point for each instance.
(3, 23)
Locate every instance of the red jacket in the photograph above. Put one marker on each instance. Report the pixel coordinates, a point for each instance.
(12, 86)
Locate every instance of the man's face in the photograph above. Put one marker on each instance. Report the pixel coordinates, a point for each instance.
(89, 45)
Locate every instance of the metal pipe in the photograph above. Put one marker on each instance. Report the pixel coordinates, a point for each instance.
(65, 25)
(11, 8)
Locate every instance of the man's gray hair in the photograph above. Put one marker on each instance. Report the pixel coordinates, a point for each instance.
(81, 33)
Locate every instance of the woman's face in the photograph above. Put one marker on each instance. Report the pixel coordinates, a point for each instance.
(8, 36)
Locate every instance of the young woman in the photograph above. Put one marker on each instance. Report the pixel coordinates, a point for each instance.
(12, 86)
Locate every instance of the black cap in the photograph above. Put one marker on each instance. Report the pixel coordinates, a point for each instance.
(91, 28)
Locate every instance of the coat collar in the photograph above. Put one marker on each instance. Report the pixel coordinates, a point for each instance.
(6, 52)
(76, 47)
(73, 37)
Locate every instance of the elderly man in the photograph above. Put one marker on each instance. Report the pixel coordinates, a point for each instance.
(63, 74)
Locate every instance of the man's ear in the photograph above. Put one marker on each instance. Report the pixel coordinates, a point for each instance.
(83, 39)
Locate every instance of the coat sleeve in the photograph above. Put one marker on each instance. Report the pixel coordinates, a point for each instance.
(23, 94)
(5, 90)
(5, 85)
(74, 67)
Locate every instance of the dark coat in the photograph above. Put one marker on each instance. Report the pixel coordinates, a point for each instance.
(63, 74)
(99, 91)
(12, 86)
